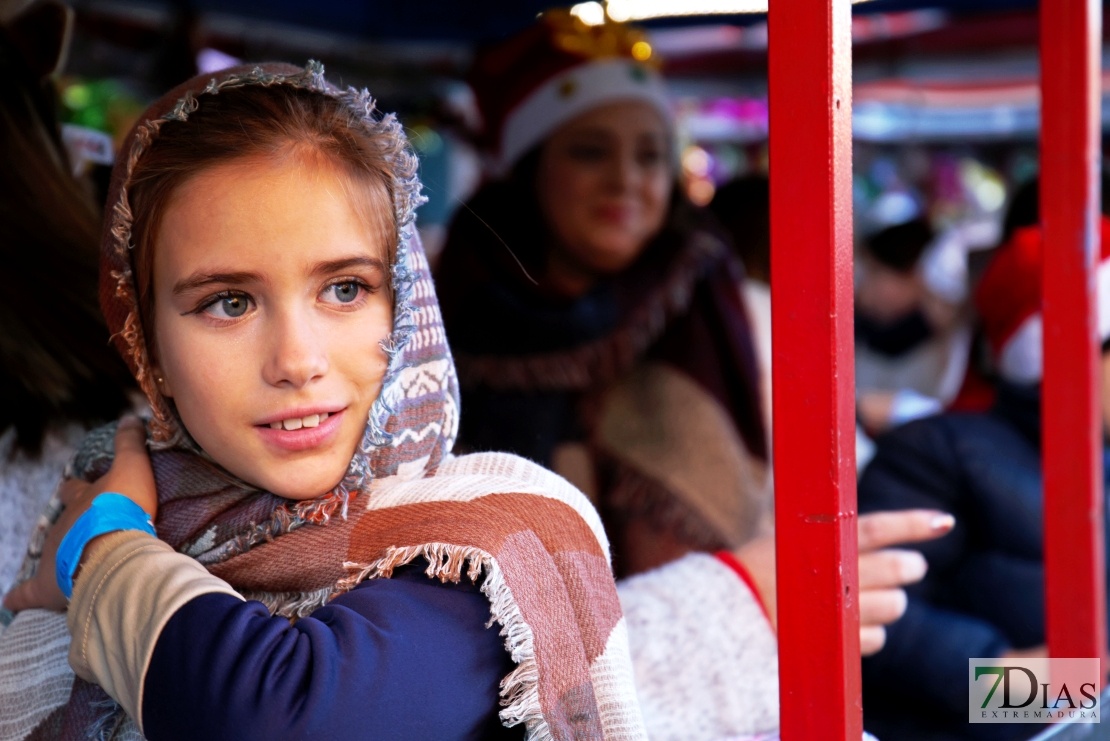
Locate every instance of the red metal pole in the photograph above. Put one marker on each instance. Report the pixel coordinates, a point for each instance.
(810, 79)
(1071, 32)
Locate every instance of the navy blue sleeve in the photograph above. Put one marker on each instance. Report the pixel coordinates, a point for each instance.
(926, 652)
(400, 658)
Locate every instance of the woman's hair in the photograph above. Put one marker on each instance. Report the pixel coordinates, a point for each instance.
(276, 124)
(743, 207)
(56, 363)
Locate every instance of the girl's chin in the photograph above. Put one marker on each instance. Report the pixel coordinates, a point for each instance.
(302, 490)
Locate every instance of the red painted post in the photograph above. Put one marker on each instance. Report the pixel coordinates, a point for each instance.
(810, 78)
(1071, 33)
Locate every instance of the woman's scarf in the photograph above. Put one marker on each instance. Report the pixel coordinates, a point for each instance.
(653, 370)
(533, 541)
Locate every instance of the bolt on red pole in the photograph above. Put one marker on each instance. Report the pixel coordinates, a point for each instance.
(1071, 35)
(810, 80)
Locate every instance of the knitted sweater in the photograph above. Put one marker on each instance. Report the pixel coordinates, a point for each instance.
(25, 487)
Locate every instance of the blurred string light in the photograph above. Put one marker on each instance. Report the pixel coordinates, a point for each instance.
(983, 184)
(638, 10)
(592, 14)
(696, 166)
(695, 161)
(641, 51)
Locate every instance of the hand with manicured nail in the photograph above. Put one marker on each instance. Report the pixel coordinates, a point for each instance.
(130, 474)
(883, 570)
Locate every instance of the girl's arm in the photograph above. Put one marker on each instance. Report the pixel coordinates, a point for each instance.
(406, 657)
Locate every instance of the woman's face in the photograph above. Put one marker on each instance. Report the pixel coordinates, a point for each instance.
(271, 302)
(603, 183)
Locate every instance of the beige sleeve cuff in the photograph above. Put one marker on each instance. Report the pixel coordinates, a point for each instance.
(127, 590)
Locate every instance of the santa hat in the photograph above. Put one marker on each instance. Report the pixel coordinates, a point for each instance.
(556, 69)
(1008, 299)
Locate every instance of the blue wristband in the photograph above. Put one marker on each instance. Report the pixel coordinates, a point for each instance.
(108, 513)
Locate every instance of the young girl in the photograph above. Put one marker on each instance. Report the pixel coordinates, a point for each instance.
(262, 279)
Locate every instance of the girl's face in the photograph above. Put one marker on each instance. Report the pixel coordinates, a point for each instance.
(271, 302)
(603, 184)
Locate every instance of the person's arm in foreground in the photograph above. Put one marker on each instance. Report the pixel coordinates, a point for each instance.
(883, 569)
(187, 657)
(702, 633)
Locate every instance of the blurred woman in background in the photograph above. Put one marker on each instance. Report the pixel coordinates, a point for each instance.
(592, 310)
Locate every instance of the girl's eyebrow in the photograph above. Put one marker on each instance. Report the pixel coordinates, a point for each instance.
(200, 280)
(348, 263)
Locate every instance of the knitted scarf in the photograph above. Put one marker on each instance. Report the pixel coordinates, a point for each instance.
(533, 540)
(652, 371)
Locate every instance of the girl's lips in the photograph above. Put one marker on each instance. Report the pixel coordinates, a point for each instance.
(305, 438)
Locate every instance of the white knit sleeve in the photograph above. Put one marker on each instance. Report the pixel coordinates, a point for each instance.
(704, 655)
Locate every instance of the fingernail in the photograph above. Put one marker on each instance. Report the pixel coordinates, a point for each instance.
(943, 522)
(914, 565)
(130, 420)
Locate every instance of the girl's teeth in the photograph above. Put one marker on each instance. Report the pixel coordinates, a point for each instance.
(312, 420)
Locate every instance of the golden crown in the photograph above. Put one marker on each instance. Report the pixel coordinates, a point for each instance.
(610, 39)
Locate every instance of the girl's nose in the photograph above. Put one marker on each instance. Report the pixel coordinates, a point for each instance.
(298, 355)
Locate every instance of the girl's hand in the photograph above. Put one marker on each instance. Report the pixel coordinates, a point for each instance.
(130, 474)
